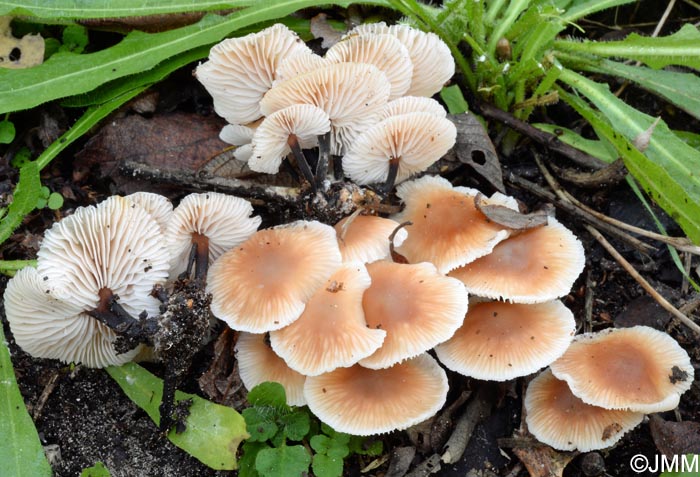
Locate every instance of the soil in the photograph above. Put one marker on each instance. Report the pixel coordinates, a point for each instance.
(83, 417)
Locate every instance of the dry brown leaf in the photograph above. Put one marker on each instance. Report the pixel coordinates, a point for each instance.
(512, 218)
(675, 438)
(543, 461)
(22, 52)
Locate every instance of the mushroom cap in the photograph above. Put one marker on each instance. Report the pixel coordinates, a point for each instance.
(224, 219)
(241, 70)
(352, 94)
(237, 134)
(501, 341)
(413, 104)
(417, 307)
(270, 141)
(361, 401)
(257, 363)
(639, 369)
(332, 331)
(383, 51)
(416, 140)
(365, 238)
(448, 230)
(47, 327)
(537, 265)
(298, 63)
(559, 419)
(160, 207)
(115, 245)
(264, 283)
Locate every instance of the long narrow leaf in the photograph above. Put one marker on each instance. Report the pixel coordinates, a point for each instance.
(21, 453)
(668, 170)
(681, 48)
(24, 199)
(591, 6)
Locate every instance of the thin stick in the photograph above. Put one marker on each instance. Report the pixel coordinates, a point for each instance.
(301, 160)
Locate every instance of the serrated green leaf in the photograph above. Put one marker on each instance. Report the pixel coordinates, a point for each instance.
(246, 464)
(97, 470)
(296, 424)
(260, 424)
(21, 453)
(24, 200)
(283, 461)
(667, 170)
(326, 466)
(213, 431)
(603, 150)
(67, 74)
(268, 394)
(7, 132)
(681, 48)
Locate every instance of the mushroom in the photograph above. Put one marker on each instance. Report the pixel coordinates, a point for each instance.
(395, 148)
(537, 265)
(501, 341)
(559, 419)
(447, 229)
(639, 369)
(241, 70)
(413, 104)
(288, 130)
(363, 401)
(85, 261)
(264, 283)
(298, 63)
(160, 207)
(257, 363)
(417, 307)
(332, 331)
(383, 51)
(210, 222)
(352, 94)
(365, 238)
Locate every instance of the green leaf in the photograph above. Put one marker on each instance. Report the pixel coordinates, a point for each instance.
(246, 464)
(22, 156)
(690, 138)
(283, 461)
(21, 453)
(327, 466)
(454, 99)
(296, 424)
(335, 446)
(261, 425)
(586, 8)
(268, 394)
(358, 445)
(213, 431)
(681, 48)
(55, 201)
(667, 170)
(67, 74)
(26, 195)
(7, 132)
(75, 39)
(603, 150)
(688, 466)
(97, 470)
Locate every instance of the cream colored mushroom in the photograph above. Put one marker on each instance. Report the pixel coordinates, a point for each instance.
(365, 238)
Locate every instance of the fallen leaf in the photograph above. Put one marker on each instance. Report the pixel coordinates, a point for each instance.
(513, 219)
(16, 53)
(401, 458)
(675, 438)
(543, 461)
(320, 28)
(221, 382)
(643, 310)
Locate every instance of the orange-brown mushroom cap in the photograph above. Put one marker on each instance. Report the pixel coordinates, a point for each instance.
(417, 307)
(363, 401)
(257, 363)
(535, 266)
(639, 369)
(365, 238)
(448, 230)
(264, 283)
(559, 419)
(501, 341)
(332, 331)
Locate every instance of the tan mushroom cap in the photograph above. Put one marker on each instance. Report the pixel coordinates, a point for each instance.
(639, 369)
(352, 94)
(241, 70)
(160, 207)
(535, 266)
(257, 363)
(298, 63)
(415, 140)
(363, 401)
(224, 219)
(331, 332)
(501, 341)
(383, 51)
(413, 104)
(365, 238)
(270, 142)
(417, 307)
(448, 230)
(559, 419)
(47, 327)
(264, 283)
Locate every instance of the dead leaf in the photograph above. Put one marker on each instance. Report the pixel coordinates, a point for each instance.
(543, 461)
(513, 219)
(474, 148)
(641, 142)
(643, 310)
(22, 52)
(675, 438)
(221, 382)
(320, 28)
(401, 458)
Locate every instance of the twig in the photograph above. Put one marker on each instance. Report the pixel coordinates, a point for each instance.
(588, 304)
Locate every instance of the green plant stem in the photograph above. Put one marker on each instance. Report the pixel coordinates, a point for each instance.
(515, 8)
(493, 10)
(592, 6)
(10, 267)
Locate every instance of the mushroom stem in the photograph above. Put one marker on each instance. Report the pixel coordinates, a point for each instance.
(202, 256)
(324, 151)
(391, 176)
(301, 160)
(396, 256)
(110, 313)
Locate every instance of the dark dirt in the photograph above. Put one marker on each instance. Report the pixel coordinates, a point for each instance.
(87, 417)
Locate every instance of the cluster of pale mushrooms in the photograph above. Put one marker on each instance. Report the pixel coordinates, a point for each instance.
(336, 314)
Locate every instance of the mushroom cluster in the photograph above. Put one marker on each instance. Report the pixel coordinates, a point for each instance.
(367, 99)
